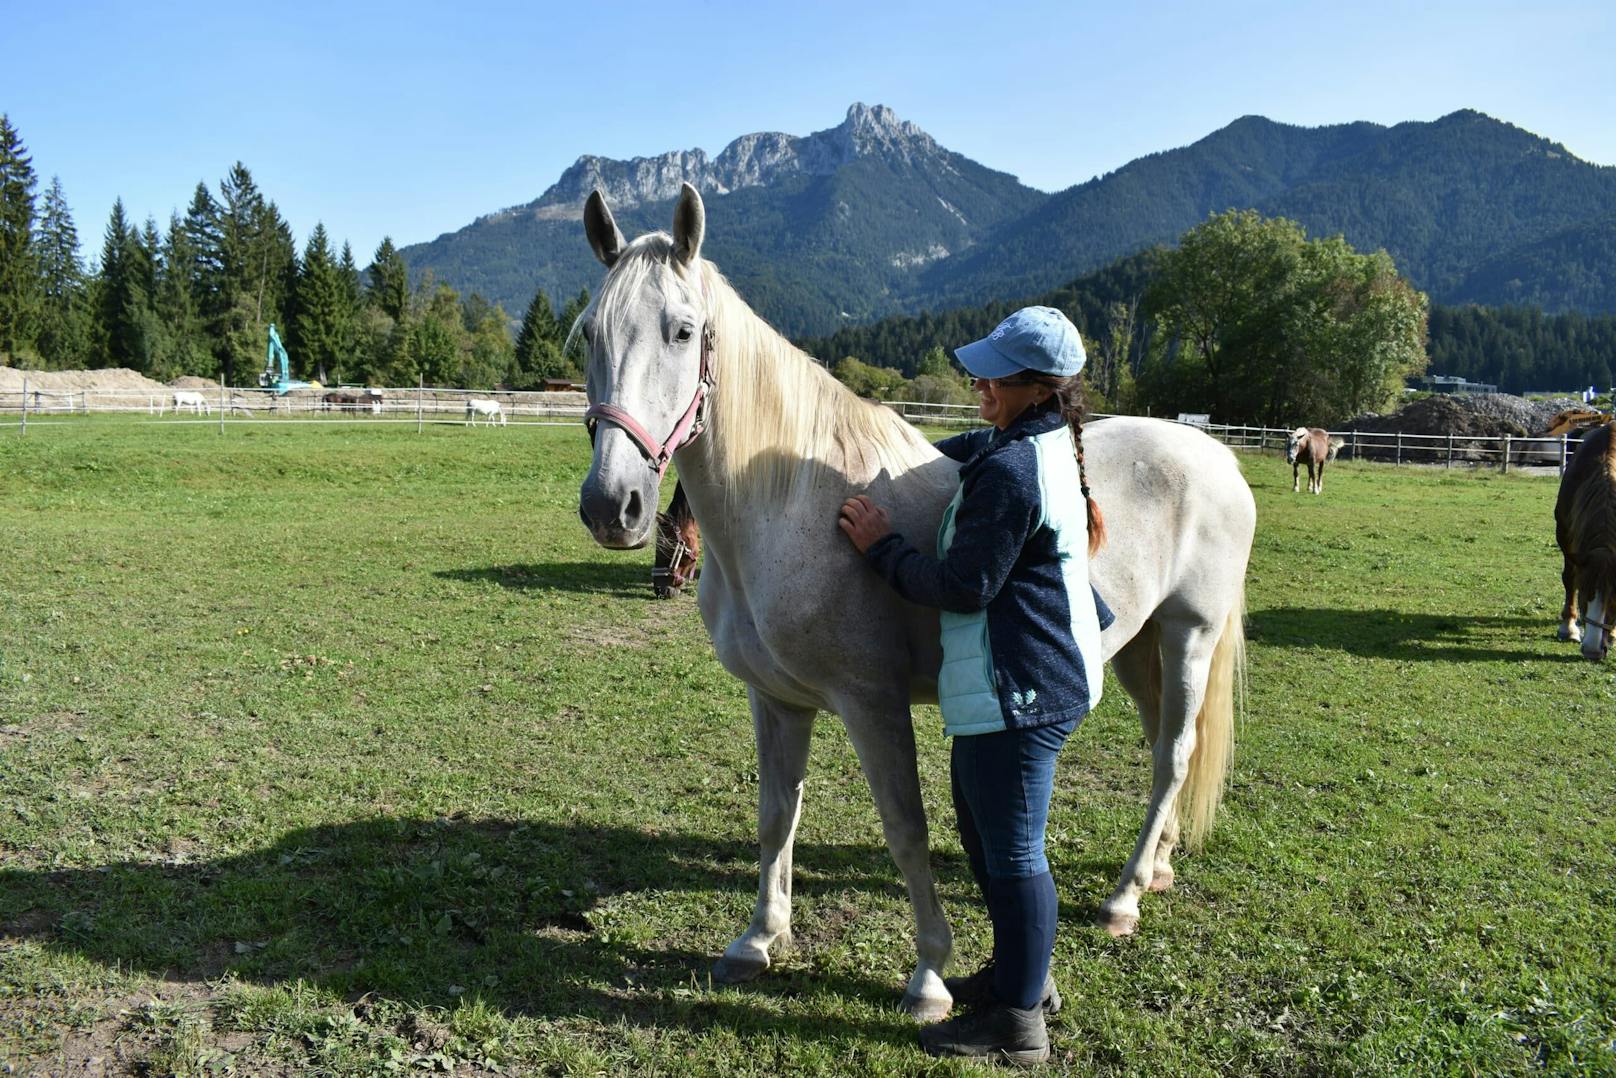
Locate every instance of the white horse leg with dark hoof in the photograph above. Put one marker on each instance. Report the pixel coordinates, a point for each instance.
(1186, 655)
(885, 742)
(1135, 668)
(783, 735)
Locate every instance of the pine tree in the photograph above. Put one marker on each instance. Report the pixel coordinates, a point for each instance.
(352, 300)
(190, 349)
(20, 297)
(390, 281)
(120, 302)
(318, 329)
(63, 339)
(538, 345)
(235, 327)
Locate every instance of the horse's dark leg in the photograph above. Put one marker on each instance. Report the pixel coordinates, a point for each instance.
(783, 734)
(1320, 488)
(1296, 476)
(1569, 629)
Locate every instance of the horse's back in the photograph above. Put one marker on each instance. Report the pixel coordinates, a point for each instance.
(1590, 455)
(1179, 523)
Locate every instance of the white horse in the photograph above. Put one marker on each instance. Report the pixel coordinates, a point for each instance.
(196, 402)
(768, 446)
(491, 411)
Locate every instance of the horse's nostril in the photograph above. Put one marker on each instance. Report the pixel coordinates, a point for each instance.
(631, 512)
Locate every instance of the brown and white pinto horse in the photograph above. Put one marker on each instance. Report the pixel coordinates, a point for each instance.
(678, 546)
(1585, 527)
(1310, 446)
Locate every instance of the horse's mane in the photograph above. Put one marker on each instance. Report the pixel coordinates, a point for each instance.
(1593, 513)
(784, 418)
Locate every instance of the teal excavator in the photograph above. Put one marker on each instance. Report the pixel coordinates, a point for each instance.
(277, 367)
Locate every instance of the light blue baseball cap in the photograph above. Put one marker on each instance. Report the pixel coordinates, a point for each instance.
(1038, 339)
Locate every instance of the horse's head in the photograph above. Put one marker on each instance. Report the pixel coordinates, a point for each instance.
(1294, 443)
(647, 376)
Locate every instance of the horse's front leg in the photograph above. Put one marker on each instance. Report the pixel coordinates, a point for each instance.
(884, 738)
(1569, 629)
(1296, 476)
(783, 735)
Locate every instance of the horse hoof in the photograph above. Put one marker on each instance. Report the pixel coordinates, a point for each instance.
(1162, 880)
(1118, 925)
(729, 970)
(926, 1009)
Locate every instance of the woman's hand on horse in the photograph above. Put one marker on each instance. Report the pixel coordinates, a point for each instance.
(864, 521)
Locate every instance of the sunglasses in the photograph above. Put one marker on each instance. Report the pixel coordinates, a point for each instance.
(1010, 383)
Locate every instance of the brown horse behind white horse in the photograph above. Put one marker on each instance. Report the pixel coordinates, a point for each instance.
(1585, 527)
(1310, 446)
(678, 547)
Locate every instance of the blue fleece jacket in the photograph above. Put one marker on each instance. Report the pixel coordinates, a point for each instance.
(1021, 624)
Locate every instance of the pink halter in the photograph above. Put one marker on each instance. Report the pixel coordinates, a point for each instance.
(688, 429)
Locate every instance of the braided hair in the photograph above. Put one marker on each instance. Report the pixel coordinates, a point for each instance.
(1071, 400)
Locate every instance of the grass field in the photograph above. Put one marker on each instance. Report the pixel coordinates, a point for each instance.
(343, 750)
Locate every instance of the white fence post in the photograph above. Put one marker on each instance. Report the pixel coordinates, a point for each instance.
(420, 386)
(1563, 439)
(25, 406)
(1506, 454)
(221, 404)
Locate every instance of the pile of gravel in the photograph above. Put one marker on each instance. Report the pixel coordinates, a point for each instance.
(1477, 416)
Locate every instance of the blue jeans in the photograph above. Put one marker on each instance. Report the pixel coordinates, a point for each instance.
(1002, 782)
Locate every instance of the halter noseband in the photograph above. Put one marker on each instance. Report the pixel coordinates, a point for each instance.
(688, 429)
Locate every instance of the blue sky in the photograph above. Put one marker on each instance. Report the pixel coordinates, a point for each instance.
(409, 119)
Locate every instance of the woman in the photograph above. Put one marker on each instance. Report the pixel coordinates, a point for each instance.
(1021, 653)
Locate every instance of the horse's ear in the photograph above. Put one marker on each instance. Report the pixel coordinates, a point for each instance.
(689, 224)
(602, 231)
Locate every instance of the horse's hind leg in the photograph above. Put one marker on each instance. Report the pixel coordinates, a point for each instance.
(884, 739)
(1138, 669)
(1320, 488)
(1186, 658)
(783, 735)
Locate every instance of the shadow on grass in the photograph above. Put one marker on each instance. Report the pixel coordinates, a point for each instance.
(526, 916)
(585, 577)
(1396, 634)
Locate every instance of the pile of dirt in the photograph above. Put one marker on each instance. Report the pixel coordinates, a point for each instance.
(1491, 416)
(191, 381)
(107, 380)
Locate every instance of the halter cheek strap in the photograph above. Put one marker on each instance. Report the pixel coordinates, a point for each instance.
(659, 454)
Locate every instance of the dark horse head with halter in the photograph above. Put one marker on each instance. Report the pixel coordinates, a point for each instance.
(678, 547)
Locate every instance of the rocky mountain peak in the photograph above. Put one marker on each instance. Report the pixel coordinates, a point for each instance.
(754, 160)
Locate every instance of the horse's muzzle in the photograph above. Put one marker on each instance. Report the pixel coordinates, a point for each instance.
(616, 523)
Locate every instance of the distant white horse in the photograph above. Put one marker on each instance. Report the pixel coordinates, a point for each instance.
(768, 446)
(490, 411)
(196, 402)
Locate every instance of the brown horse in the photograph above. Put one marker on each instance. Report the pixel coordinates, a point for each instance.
(678, 545)
(1310, 446)
(1585, 527)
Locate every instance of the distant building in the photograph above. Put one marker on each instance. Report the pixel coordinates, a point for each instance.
(1449, 383)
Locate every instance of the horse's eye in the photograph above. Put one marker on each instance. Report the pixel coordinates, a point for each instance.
(683, 335)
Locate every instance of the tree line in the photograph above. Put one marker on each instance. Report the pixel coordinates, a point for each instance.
(198, 297)
(1249, 320)
(1246, 319)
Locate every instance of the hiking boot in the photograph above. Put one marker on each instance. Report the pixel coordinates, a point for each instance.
(976, 990)
(996, 1032)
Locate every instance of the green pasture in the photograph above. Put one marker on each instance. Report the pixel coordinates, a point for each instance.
(341, 749)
